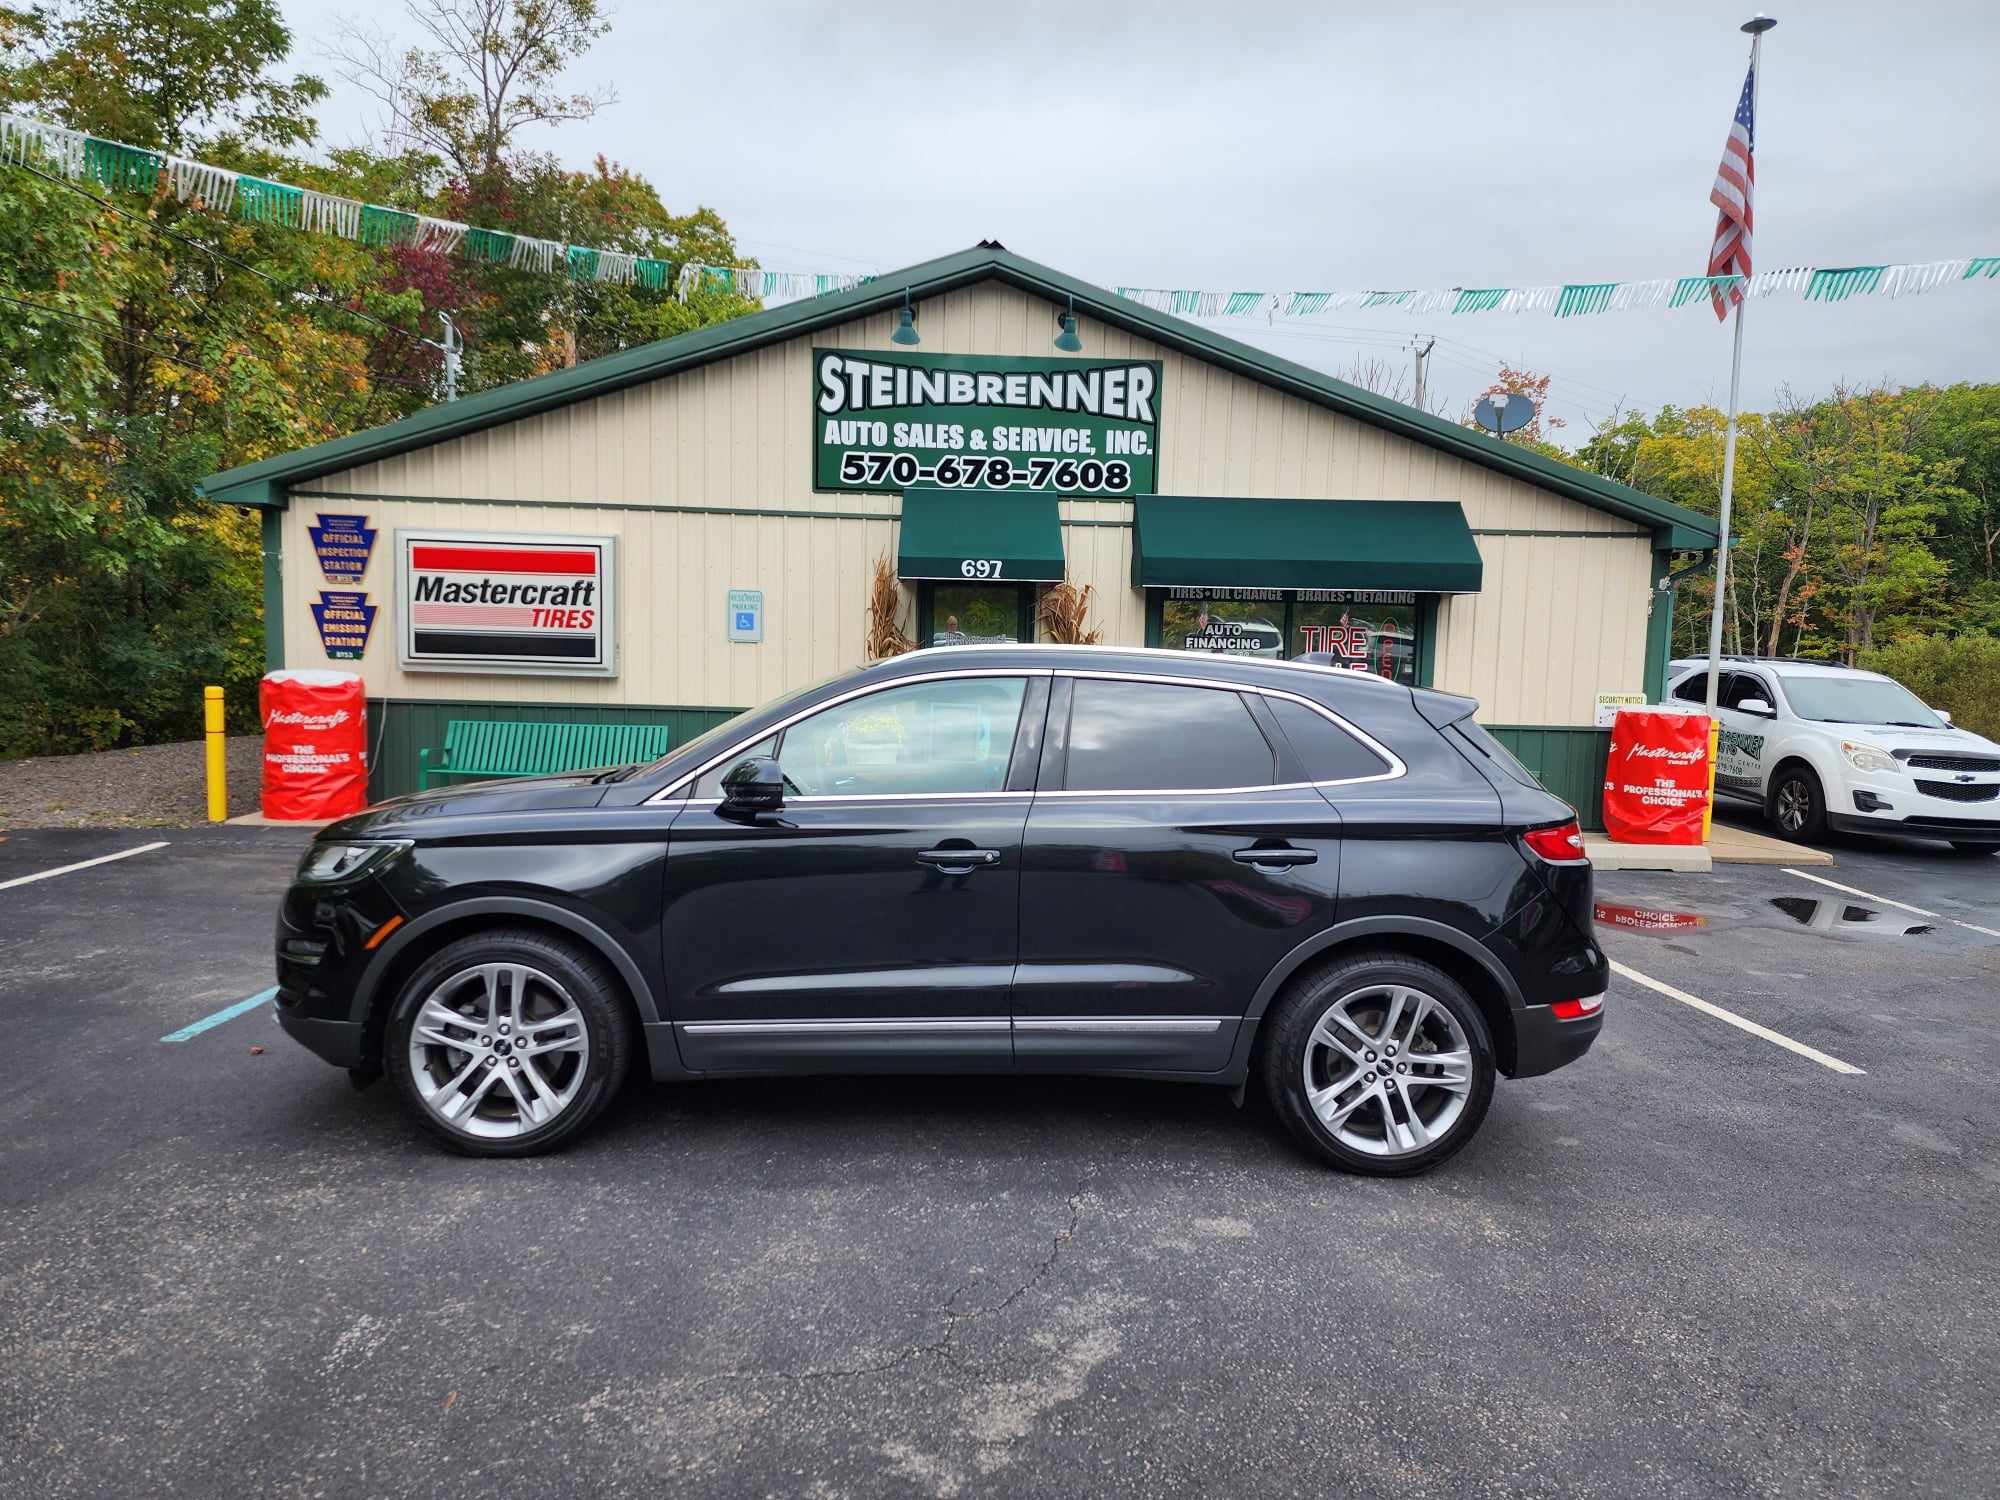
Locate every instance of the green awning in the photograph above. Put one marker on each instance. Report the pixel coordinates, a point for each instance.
(983, 535)
(1422, 545)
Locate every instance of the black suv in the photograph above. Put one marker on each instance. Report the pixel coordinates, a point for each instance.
(977, 858)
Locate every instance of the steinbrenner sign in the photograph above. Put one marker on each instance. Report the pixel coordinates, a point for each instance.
(489, 601)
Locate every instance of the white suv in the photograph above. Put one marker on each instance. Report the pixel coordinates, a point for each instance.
(1828, 746)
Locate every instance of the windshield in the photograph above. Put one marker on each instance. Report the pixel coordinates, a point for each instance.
(711, 739)
(1858, 700)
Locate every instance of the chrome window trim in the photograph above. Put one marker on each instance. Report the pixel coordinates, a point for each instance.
(1397, 766)
(937, 1027)
(1124, 1025)
(864, 690)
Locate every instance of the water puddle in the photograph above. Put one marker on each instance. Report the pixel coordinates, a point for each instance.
(1838, 918)
(1648, 919)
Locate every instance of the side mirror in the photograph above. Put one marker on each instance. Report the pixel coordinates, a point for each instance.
(1943, 713)
(753, 785)
(1758, 706)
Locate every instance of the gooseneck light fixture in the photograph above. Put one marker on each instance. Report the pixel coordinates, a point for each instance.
(1067, 341)
(906, 323)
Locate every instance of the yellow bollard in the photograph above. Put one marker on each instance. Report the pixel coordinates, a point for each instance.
(218, 761)
(1708, 807)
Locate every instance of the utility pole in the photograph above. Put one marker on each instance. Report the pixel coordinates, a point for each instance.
(1423, 352)
(451, 346)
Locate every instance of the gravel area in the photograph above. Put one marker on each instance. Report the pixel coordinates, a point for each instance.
(155, 786)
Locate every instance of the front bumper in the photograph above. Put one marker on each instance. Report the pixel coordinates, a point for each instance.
(337, 1042)
(1873, 802)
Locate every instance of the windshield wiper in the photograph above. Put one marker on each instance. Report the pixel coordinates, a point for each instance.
(1909, 724)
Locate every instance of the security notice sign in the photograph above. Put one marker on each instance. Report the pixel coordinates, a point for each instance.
(898, 421)
(484, 601)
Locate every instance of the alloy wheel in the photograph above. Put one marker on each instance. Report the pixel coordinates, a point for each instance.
(1388, 1070)
(1794, 805)
(498, 1050)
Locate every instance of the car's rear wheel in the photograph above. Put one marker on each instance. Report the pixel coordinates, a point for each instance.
(1379, 1064)
(1798, 807)
(509, 1043)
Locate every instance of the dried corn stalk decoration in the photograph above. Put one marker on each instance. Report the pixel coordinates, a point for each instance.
(885, 611)
(1065, 612)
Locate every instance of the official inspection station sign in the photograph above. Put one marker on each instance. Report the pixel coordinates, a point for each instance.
(898, 421)
(487, 601)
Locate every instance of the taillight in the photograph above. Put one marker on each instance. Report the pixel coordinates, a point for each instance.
(1560, 845)
(1576, 1010)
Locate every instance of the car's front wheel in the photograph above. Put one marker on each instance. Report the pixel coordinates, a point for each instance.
(1379, 1064)
(1798, 806)
(509, 1043)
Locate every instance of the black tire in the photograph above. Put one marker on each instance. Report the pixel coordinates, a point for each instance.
(1288, 1039)
(1965, 847)
(606, 1021)
(1806, 816)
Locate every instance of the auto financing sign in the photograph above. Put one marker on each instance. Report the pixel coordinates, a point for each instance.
(899, 421)
(485, 601)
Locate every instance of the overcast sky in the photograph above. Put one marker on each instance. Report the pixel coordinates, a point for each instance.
(1265, 146)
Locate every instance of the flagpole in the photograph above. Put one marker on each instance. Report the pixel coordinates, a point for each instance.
(1756, 26)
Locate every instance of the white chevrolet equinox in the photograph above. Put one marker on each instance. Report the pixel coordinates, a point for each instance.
(1831, 747)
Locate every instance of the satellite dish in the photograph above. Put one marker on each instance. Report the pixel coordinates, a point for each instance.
(1503, 414)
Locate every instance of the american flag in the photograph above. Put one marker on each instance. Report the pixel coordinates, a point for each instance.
(1734, 179)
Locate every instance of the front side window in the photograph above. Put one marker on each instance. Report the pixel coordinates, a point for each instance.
(953, 735)
(1148, 736)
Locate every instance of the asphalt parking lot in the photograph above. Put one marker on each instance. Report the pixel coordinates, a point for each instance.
(1700, 1261)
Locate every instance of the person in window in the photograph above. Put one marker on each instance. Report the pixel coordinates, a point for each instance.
(951, 635)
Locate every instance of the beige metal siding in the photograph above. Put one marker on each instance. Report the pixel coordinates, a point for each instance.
(1559, 618)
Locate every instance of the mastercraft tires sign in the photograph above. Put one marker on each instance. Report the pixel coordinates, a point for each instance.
(486, 601)
(887, 421)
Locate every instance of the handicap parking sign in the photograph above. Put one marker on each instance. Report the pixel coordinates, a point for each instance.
(746, 615)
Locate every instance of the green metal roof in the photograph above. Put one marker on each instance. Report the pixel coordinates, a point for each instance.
(1423, 545)
(266, 481)
(1008, 537)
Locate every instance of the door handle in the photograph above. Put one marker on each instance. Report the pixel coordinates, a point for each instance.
(958, 861)
(1277, 857)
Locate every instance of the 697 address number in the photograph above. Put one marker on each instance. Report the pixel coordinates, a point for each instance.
(902, 471)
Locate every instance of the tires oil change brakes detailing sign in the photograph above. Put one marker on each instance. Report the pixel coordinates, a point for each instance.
(506, 602)
(896, 421)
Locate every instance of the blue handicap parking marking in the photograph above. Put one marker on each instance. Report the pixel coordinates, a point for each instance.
(227, 1013)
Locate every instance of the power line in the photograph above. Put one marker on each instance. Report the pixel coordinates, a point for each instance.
(117, 338)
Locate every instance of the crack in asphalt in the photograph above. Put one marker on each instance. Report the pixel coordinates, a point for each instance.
(952, 1319)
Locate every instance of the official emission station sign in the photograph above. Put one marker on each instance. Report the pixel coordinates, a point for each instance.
(484, 601)
(899, 421)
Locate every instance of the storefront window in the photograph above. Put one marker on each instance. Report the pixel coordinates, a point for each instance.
(1367, 630)
(975, 614)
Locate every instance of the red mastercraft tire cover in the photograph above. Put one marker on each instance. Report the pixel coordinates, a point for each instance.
(315, 744)
(1656, 778)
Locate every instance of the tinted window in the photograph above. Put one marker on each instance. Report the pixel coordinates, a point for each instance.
(1328, 752)
(1147, 736)
(956, 735)
(1695, 689)
(1742, 686)
(710, 783)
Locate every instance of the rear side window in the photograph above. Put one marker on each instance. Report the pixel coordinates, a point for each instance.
(1328, 752)
(1484, 744)
(1148, 736)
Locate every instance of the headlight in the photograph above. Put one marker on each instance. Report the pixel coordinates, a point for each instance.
(326, 863)
(1868, 758)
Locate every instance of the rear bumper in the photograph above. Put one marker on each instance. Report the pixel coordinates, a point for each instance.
(1542, 1043)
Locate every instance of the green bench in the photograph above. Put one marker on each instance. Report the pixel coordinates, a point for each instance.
(491, 747)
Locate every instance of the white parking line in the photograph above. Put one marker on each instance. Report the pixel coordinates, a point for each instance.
(1711, 1009)
(82, 864)
(1885, 901)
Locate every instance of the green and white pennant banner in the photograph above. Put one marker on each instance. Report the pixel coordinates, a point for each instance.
(1579, 298)
(73, 154)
